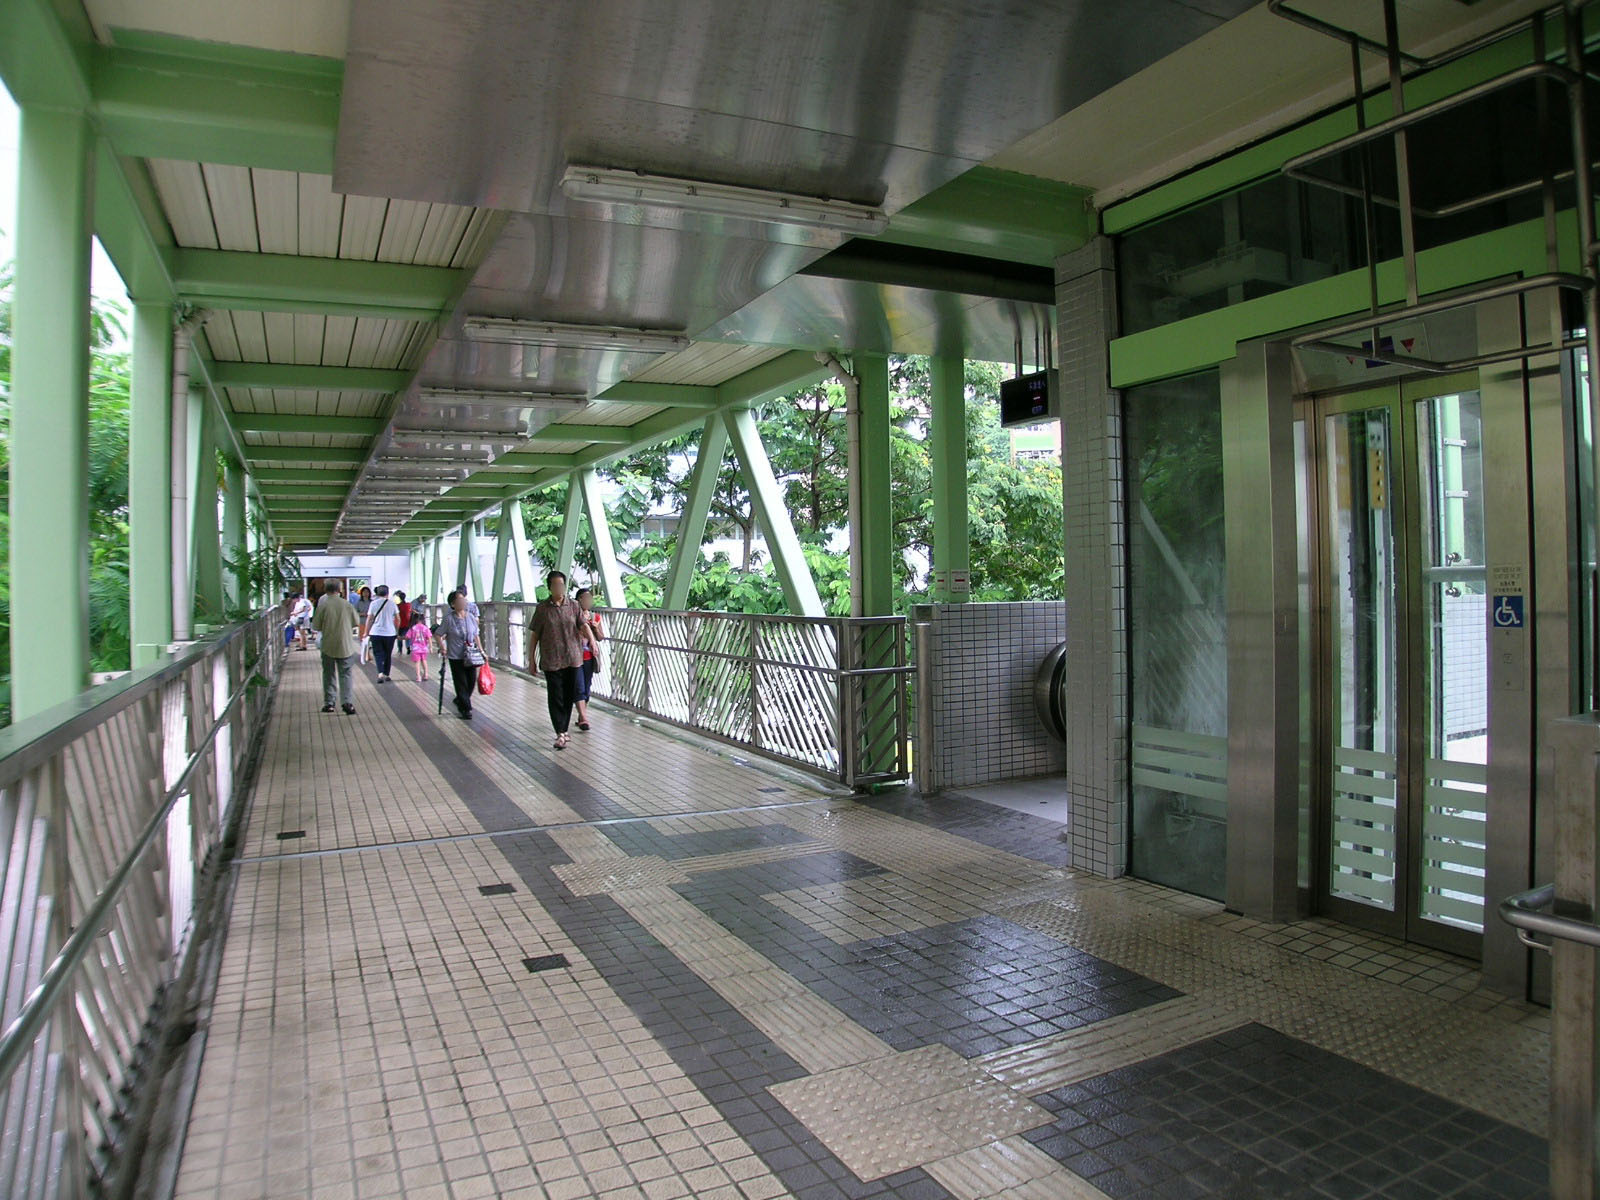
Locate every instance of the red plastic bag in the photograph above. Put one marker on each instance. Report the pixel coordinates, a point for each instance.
(485, 680)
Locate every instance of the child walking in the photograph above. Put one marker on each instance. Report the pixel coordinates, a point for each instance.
(419, 638)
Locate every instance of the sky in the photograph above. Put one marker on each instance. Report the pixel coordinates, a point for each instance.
(105, 281)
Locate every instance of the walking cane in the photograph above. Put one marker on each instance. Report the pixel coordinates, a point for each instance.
(442, 661)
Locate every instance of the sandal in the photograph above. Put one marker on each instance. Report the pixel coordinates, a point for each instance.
(583, 725)
(561, 741)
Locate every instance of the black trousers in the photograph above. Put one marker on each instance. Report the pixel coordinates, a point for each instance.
(562, 684)
(382, 652)
(465, 677)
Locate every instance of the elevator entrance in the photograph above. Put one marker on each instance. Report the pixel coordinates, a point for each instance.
(1401, 681)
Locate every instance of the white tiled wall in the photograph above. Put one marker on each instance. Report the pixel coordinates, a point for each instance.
(985, 725)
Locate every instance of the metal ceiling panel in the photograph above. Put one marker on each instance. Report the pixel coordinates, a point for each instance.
(277, 202)
(876, 101)
(815, 313)
(706, 364)
(233, 206)
(321, 213)
(182, 189)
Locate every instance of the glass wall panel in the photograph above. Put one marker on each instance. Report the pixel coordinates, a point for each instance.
(1178, 645)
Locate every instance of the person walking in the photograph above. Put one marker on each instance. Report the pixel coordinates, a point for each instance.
(464, 649)
(300, 614)
(418, 640)
(381, 630)
(336, 623)
(554, 649)
(363, 605)
(402, 620)
(591, 660)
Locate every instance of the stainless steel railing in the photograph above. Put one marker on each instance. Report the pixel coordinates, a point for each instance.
(827, 694)
(111, 808)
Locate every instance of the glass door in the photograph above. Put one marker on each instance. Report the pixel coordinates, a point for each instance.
(1404, 664)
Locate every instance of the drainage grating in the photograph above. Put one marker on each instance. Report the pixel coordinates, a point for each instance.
(548, 962)
(496, 889)
(288, 835)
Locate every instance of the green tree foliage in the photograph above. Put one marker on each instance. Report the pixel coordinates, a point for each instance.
(1015, 507)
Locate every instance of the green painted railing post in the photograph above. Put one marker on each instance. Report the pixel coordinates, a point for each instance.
(49, 440)
(952, 555)
(873, 530)
(150, 483)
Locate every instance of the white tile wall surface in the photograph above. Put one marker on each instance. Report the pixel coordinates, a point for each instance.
(1092, 483)
(986, 727)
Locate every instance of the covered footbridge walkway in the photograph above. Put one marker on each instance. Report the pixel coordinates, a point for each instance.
(397, 267)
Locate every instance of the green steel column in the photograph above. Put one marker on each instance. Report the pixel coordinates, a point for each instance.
(697, 507)
(150, 483)
(952, 558)
(527, 586)
(467, 562)
(49, 439)
(436, 583)
(766, 502)
(205, 537)
(233, 537)
(502, 550)
(605, 551)
(567, 550)
(872, 593)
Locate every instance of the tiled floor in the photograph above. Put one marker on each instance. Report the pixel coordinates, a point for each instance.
(635, 968)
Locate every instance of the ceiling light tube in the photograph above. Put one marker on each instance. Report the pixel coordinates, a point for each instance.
(573, 337)
(466, 396)
(606, 185)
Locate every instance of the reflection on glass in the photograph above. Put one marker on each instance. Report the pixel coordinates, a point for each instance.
(1177, 611)
(1455, 690)
(1364, 685)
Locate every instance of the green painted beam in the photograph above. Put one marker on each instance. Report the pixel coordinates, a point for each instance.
(250, 422)
(44, 62)
(290, 491)
(997, 214)
(322, 454)
(786, 373)
(872, 591)
(167, 97)
(532, 458)
(132, 226)
(308, 378)
(293, 283)
(271, 475)
(616, 435)
(675, 395)
(304, 506)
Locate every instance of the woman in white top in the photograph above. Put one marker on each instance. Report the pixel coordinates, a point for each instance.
(380, 627)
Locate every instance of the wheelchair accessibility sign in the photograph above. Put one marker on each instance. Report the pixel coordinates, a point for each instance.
(1505, 611)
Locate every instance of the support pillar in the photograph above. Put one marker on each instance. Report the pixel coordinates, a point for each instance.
(50, 407)
(204, 536)
(872, 590)
(467, 570)
(521, 555)
(1096, 691)
(567, 549)
(502, 551)
(696, 510)
(436, 584)
(150, 484)
(233, 537)
(605, 553)
(766, 498)
(952, 549)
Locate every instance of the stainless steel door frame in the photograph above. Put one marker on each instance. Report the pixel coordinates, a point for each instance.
(1408, 552)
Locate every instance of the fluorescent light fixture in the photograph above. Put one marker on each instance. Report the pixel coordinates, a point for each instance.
(495, 396)
(573, 337)
(606, 185)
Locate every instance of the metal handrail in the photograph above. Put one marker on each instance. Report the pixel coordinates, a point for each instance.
(129, 789)
(29, 743)
(17, 1039)
(1526, 912)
